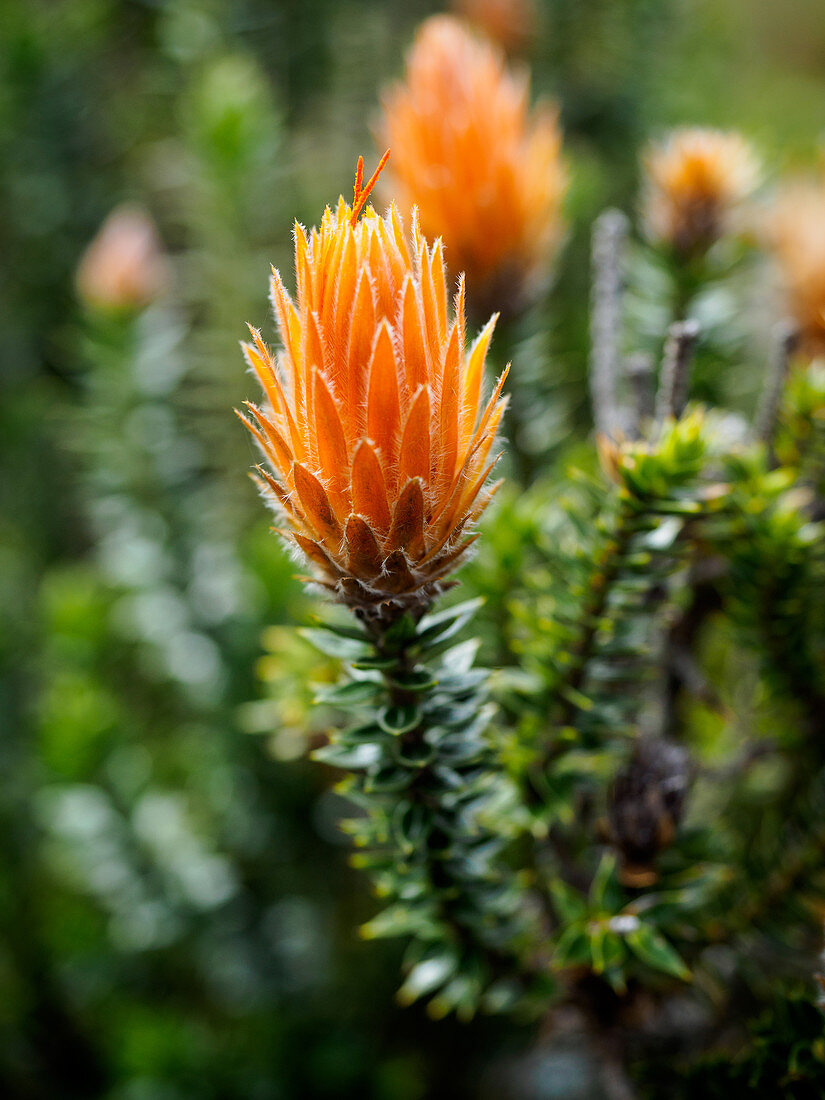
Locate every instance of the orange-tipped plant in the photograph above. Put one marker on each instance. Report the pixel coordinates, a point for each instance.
(375, 432)
(485, 173)
(378, 445)
(696, 181)
(797, 240)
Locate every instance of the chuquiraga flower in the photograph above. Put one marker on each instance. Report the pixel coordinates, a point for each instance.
(796, 237)
(695, 183)
(485, 172)
(375, 432)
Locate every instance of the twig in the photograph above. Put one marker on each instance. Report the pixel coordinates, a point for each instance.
(676, 363)
(609, 236)
(785, 341)
(638, 369)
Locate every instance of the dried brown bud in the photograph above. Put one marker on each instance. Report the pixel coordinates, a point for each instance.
(646, 806)
(696, 181)
(124, 267)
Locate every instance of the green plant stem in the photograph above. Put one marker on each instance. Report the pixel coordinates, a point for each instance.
(606, 571)
(425, 774)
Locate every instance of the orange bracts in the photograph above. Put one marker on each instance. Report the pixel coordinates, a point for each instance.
(375, 434)
(485, 173)
(695, 182)
(796, 236)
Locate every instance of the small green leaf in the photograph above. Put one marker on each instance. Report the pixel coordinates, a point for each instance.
(502, 996)
(375, 662)
(435, 629)
(602, 880)
(569, 903)
(343, 629)
(399, 719)
(416, 679)
(596, 934)
(368, 731)
(461, 685)
(576, 698)
(354, 691)
(441, 618)
(597, 764)
(389, 779)
(355, 757)
(333, 644)
(410, 822)
(663, 536)
(397, 920)
(613, 951)
(573, 948)
(679, 507)
(459, 659)
(460, 996)
(416, 754)
(402, 630)
(425, 977)
(654, 950)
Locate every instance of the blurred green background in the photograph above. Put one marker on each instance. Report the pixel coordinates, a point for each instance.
(177, 919)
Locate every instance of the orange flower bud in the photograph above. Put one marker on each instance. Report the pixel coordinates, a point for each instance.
(796, 236)
(485, 173)
(695, 182)
(375, 434)
(124, 267)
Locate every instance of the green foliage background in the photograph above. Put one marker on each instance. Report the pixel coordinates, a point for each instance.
(176, 913)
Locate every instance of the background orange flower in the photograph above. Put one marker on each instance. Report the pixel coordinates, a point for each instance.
(485, 172)
(797, 238)
(696, 180)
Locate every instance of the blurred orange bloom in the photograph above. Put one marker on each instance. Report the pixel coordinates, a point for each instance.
(124, 267)
(510, 23)
(796, 236)
(485, 173)
(695, 182)
(375, 432)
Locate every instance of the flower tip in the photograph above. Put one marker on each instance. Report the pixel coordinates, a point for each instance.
(361, 194)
